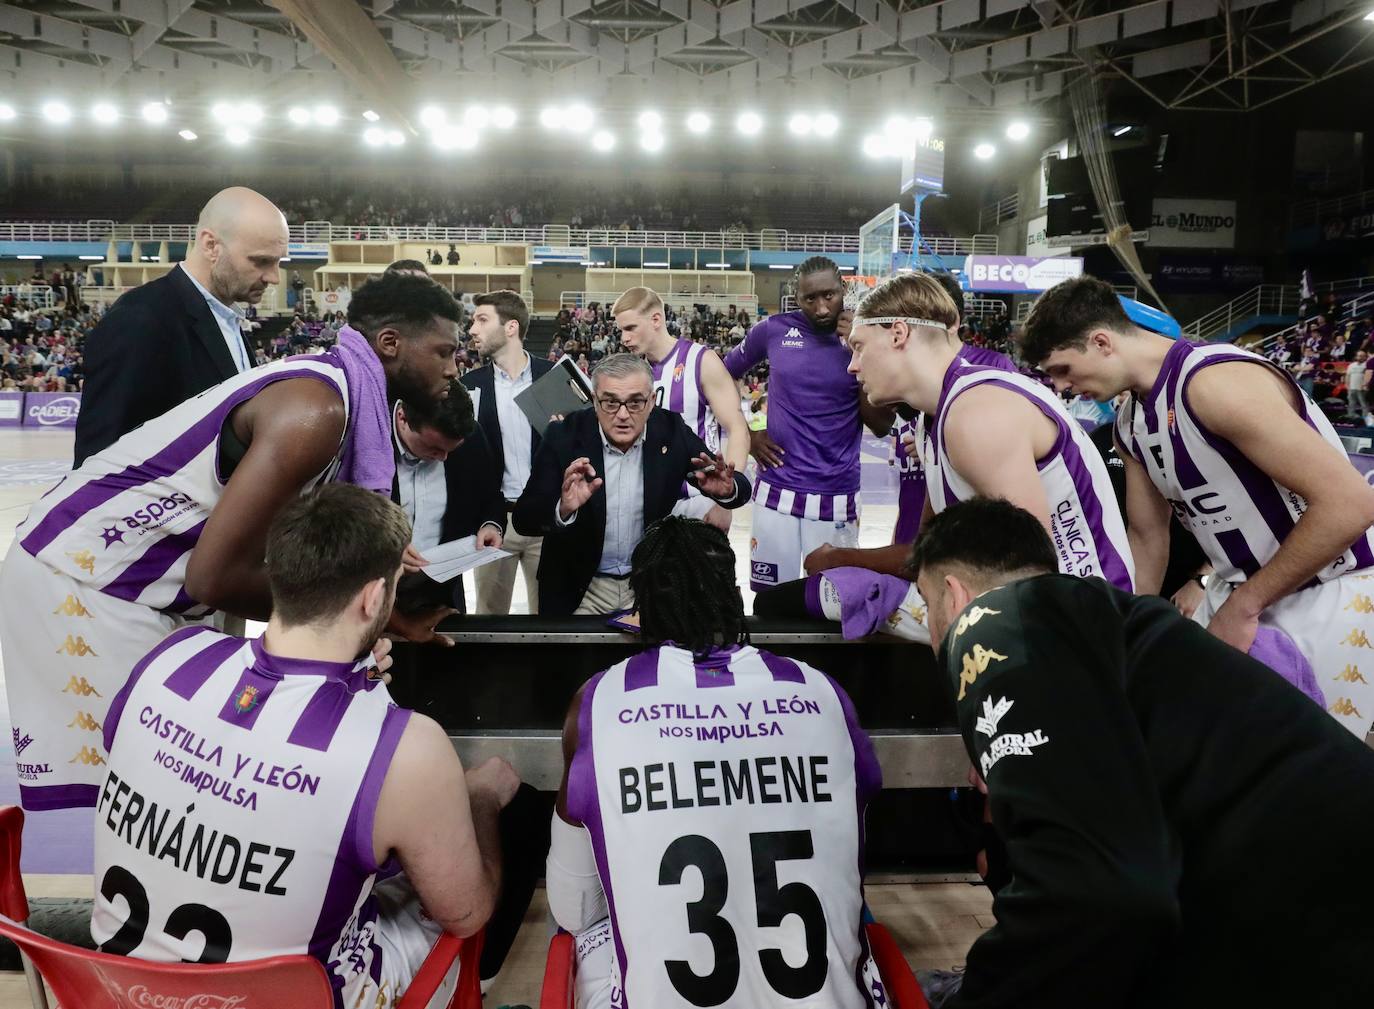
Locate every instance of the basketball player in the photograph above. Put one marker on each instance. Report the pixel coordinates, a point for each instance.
(670, 848)
(911, 486)
(992, 433)
(169, 522)
(689, 379)
(1247, 462)
(1183, 828)
(256, 788)
(807, 492)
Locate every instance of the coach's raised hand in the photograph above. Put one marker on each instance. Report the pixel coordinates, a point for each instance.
(580, 482)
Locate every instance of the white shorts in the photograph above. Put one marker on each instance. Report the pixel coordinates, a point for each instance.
(67, 650)
(907, 621)
(1333, 625)
(781, 542)
(405, 935)
(592, 983)
(694, 506)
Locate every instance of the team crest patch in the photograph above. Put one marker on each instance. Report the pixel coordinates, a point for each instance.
(1173, 428)
(246, 701)
(677, 373)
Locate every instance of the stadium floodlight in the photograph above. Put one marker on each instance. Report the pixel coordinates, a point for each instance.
(476, 117)
(374, 136)
(452, 138)
(154, 112)
(503, 118)
(237, 135)
(800, 125)
(578, 117)
(250, 113)
(603, 141)
(325, 115)
(298, 115)
(984, 151)
(1018, 130)
(432, 117)
(370, 116)
(395, 138)
(651, 142)
(650, 122)
(188, 134)
(222, 112)
(105, 114)
(550, 118)
(876, 146)
(56, 112)
(698, 122)
(749, 123)
(6, 112)
(826, 125)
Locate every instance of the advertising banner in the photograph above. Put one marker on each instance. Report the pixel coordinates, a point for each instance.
(51, 409)
(1193, 224)
(1019, 274)
(1036, 244)
(11, 409)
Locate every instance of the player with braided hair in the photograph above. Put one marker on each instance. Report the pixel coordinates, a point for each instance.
(705, 752)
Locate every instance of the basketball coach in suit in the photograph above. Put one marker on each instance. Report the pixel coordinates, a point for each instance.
(601, 477)
(175, 337)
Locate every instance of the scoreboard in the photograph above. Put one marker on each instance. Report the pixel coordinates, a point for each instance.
(923, 169)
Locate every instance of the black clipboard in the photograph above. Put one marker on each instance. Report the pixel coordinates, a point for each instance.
(562, 390)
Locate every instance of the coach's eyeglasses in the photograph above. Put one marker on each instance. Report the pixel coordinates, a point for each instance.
(610, 406)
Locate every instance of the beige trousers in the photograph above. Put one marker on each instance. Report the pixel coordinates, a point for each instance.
(496, 582)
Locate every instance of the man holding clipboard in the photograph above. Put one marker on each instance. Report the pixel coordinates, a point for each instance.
(500, 322)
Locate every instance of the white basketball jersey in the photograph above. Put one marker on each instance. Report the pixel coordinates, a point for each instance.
(725, 798)
(677, 387)
(126, 521)
(1239, 515)
(1086, 526)
(235, 820)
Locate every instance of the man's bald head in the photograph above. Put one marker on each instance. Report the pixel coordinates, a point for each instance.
(241, 237)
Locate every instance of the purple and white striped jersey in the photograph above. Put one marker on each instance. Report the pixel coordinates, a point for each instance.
(1239, 515)
(706, 785)
(813, 414)
(235, 818)
(911, 477)
(677, 387)
(1085, 521)
(126, 521)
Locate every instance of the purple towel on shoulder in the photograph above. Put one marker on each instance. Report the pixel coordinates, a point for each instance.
(867, 598)
(1279, 652)
(367, 459)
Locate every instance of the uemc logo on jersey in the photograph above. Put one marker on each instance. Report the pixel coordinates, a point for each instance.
(1205, 509)
(159, 512)
(63, 410)
(793, 338)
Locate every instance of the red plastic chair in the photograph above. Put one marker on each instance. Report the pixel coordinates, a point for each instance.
(93, 980)
(903, 990)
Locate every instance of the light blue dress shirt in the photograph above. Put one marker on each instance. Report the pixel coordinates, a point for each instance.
(227, 317)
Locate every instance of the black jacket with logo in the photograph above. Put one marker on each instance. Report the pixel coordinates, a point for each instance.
(1184, 827)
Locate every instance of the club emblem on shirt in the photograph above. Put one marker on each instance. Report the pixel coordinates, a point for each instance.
(76, 646)
(1345, 708)
(83, 720)
(677, 372)
(246, 701)
(1173, 427)
(1361, 604)
(975, 663)
(71, 607)
(84, 559)
(112, 535)
(78, 685)
(972, 617)
(1357, 639)
(992, 714)
(1350, 674)
(89, 756)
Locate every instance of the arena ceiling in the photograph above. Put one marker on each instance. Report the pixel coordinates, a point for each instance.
(952, 58)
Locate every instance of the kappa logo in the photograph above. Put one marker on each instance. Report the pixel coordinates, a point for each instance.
(78, 685)
(71, 607)
(1361, 604)
(972, 617)
(21, 743)
(77, 647)
(83, 720)
(975, 664)
(83, 559)
(89, 756)
(246, 700)
(1344, 708)
(992, 714)
(793, 338)
(1350, 674)
(1357, 639)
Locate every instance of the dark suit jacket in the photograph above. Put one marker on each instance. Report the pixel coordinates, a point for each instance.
(572, 553)
(482, 379)
(474, 499)
(155, 348)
